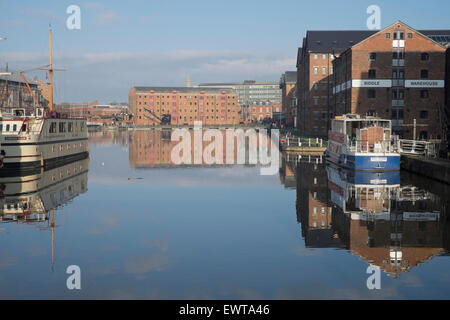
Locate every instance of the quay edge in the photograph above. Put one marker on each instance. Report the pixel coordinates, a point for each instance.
(436, 169)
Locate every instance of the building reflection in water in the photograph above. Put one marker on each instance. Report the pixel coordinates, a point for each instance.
(33, 198)
(393, 220)
(153, 149)
(387, 221)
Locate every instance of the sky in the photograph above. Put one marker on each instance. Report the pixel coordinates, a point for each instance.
(160, 43)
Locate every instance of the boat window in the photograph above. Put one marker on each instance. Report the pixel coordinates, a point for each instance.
(7, 127)
(62, 127)
(52, 128)
(24, 128)
(1, 127)
(70, 127)
(14, 127)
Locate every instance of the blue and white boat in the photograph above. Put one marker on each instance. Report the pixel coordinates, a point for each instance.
(362, 143)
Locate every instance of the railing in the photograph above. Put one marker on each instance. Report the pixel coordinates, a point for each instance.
(422, 148)
(301, 142)
(384, 146)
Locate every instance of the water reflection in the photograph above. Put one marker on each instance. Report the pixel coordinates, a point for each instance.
(33, 198)
(154, 148)
(380, 217)
(149, 229)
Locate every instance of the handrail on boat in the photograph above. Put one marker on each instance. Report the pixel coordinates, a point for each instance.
(384, 146)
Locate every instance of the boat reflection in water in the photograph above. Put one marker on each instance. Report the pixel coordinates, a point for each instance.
(387, 223)
(34, 198)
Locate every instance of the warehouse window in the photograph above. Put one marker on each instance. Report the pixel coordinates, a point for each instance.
(424, 56)
(372, 56)
(371, 93)
(424, 94)
(424, 114)
(388, 35)
(372, 74)
(398, 55)
(424, 74)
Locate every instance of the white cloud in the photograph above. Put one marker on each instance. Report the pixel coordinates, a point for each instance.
(107, 76)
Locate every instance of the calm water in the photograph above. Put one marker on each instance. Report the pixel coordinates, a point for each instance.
(141, 228)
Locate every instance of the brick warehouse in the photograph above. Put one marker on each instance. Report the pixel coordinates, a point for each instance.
(184, 105)
(288, 83)
(397, 73)
(316, 82)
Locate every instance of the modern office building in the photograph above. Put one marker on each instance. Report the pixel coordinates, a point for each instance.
(251, 93)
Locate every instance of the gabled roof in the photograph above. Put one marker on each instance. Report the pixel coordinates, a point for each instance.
(431, 33)
(327, 41)
(337, 41)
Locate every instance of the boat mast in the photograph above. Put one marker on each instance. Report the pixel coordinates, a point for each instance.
(50, 70)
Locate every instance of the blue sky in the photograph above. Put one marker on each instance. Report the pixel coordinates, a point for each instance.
(137, 42)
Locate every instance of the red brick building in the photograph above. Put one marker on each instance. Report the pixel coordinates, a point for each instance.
(397, 73)
(333, 68)
(212, 106)
(288, 82)
(314, 80)
(259, 112)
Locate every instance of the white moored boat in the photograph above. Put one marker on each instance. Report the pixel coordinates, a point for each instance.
(362, 143)
(41, 139)
(35, 137)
